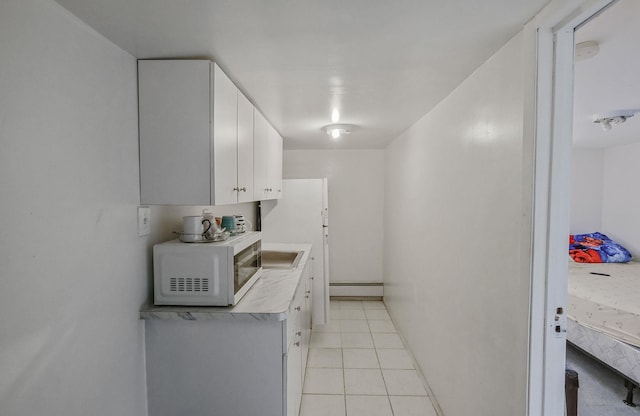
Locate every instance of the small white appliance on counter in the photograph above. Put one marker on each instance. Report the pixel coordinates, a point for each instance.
(206, 274)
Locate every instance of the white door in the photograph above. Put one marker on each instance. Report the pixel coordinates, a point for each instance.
(225, 139)
(245, 149)
(274, 163)
(260, 156)
(325, 251)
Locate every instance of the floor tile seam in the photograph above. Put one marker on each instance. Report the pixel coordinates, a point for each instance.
(392, 368)
(381, 375)
(409, 395)
(362, 394)
(344, 383)
(379, 367)
(352, 332)
(426, 394)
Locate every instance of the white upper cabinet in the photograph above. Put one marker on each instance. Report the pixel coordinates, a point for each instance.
(196, 135)
(225, 139)
(260, 156)
(245, 149)
(274, 169)
(267, 160)
(175, 137)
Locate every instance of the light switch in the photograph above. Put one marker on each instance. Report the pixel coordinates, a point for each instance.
(144, 221)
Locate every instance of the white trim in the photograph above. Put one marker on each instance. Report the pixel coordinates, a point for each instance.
(366, 290)
(554, 114)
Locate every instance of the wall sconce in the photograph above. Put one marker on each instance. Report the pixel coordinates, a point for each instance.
(607, 120)
(338, 130)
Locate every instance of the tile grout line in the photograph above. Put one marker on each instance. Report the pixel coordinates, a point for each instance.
(376, 350)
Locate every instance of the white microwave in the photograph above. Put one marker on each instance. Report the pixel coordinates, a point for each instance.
(206, 274)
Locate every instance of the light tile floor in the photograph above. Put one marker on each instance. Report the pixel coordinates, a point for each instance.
(601, 390)
(358, 366)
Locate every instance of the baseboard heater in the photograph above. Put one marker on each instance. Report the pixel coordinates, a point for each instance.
(369, 289)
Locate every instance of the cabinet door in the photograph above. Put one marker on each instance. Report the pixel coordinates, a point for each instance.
(245, 149)
(276, 159)
(175, 138)
(294, 383)
(225, 139)
(260, 156)
(274, 166)
(296, 349)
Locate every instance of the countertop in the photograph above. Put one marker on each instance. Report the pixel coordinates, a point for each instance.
(268, 299)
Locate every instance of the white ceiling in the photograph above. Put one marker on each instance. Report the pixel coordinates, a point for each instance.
(383, 64)
(608, 81)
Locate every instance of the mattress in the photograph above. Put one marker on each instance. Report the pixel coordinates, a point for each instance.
(618, 355)
(608, 303)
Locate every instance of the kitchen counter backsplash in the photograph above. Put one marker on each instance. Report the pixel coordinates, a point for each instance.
(268, 299)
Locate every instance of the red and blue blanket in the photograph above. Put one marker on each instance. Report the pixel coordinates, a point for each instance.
(596, 248)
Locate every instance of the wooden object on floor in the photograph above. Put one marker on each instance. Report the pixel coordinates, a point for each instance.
(571, 391)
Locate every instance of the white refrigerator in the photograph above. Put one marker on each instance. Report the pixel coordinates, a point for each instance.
(302, 216)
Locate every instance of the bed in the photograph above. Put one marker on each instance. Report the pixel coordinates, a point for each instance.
(604, 316)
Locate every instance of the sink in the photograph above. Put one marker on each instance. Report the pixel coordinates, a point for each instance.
(272, 259)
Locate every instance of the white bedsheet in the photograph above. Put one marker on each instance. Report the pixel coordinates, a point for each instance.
(610, 304)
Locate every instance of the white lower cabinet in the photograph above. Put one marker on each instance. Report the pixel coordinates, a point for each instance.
(294, 384)
(299, 328)
(232, 366)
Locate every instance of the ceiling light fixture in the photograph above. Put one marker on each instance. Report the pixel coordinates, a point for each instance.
(607, 120)
(586, 50)
(335, 115)
(338, 130)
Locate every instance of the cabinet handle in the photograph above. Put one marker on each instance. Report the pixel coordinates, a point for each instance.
(298, 333)
(279, 190)
(307, 296)
(297, 343)
(297, 308)
(308, 291)
(243, 189)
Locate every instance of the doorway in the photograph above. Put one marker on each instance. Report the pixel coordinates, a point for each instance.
(604, 156)
(551, 202)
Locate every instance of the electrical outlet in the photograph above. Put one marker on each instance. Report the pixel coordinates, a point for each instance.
(144, 221)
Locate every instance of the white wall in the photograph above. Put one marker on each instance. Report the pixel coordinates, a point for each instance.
(452, 264)
(586, 191)
(620, 198)
(356, 195)
(602, 196)
(74, 271)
